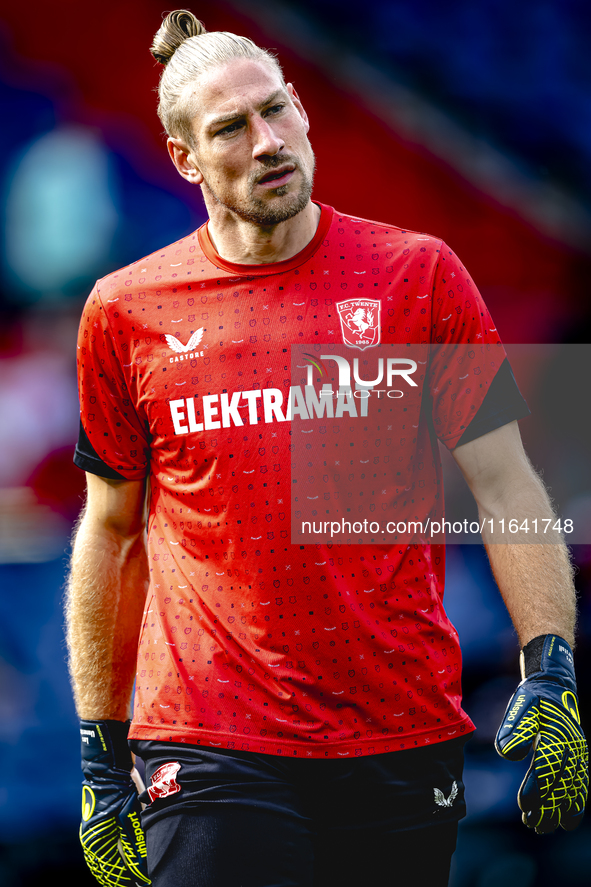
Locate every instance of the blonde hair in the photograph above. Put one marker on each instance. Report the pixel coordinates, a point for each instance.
(187, 50)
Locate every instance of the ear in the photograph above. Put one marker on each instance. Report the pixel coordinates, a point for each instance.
(184, 160)
(298, 104)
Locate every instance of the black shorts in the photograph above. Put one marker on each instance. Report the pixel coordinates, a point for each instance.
(220, 818)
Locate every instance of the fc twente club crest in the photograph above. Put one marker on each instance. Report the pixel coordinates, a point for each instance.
(360, 322)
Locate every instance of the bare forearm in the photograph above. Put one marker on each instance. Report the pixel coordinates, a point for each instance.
(532, 566)
(106, 595)
(536, 584)
(535, 578)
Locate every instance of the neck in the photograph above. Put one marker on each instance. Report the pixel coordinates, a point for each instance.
(246, 243)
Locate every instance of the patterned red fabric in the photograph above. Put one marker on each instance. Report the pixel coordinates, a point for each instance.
(250, 641)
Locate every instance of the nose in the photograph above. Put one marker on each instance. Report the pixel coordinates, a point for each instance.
(266, 142)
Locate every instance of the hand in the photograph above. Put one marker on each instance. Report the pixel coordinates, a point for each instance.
(544, 713)
(110, 833)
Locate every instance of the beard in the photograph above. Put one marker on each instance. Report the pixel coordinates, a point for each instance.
(267, 213)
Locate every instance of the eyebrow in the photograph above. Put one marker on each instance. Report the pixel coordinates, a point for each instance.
(236, 115)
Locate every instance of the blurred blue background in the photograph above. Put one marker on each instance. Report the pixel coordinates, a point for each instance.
(469, 121)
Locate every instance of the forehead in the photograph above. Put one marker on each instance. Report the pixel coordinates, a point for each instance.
(235, 87)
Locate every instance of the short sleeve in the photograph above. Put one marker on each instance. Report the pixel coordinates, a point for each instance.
(503, 403)
(117, 434)
(466, 351)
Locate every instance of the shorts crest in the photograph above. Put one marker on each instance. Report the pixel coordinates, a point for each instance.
(164, 782)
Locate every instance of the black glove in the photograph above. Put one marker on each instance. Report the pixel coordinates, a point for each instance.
(544, 712)
(110, 833)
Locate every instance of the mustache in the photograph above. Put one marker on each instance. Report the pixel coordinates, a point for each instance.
(273, 162)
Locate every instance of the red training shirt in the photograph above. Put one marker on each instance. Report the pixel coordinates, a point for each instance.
(185, 374)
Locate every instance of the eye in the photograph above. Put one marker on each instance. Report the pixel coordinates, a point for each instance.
(275, 109)
(230, 128)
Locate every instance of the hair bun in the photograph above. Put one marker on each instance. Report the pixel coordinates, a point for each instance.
(177, 27)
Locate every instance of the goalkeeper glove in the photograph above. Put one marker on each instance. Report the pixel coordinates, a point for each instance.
(110, 833)
(544, 713)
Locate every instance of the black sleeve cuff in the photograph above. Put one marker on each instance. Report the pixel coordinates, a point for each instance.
(86, 458)
(502, 403)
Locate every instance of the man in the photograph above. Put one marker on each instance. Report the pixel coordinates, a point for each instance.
(297, 707)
